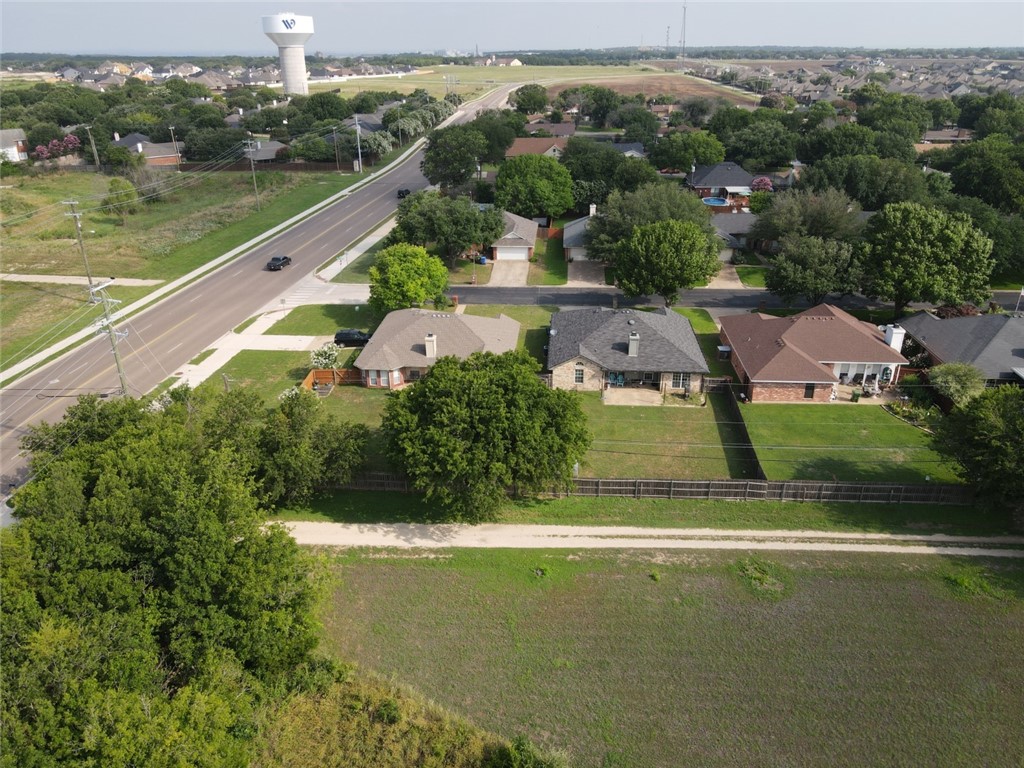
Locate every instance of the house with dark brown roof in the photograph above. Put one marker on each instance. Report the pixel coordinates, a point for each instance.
(551, 146)
(409, 341)
(806, 356)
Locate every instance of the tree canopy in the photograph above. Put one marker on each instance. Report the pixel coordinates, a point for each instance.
(812, 268)
(650, 203)
(471, 431)
(405, 276)
(829, 214)
(533, 185)
(453, 224)
(680, 151)
(663, 257)
(916, 253)
(451, 155)
(529, 98)
(982, 439)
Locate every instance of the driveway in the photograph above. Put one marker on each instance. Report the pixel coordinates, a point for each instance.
(508, 273)
(585, 274)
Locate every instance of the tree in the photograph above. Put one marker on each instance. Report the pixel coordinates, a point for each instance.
(637, 122)
(451, 155)
(845, 139)
(828, 214)
(982, 439)
(960, 382)
(405, 276)
(533, 185)
(453, 224)
(325, 356)
(681, 151)
(762, 145)
(663, 257)
(591, 161)
(529, 99)
(915, 253)
(872, 181)
(624, 211)
(471, 431)
(500, 128)
(327, 106)
(122, 198)
(632, 174)
(812, 268)
(378, 143)
(991, 170)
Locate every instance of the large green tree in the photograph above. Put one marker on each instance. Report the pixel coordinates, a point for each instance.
(405, 276)
(681, 151)
(664, 257)
(829, 214)
(529, 98)
(871, 181)
(474, 430)
(499, 128)
(122, 198)
(453, 224)
(452, 154)
(762, 145)
(812, 268)
(914, 253)
(533, 185)
(983, 440)
(650, 203)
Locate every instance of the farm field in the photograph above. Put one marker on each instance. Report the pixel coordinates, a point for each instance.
(718, 658)
(831, 441)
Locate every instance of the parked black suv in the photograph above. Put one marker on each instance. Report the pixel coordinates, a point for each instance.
(350, 337)
(277, 262)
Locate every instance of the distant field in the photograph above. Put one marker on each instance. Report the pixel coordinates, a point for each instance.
(471, 82)
(672, 659)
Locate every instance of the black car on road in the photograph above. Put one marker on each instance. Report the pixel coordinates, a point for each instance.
(350, 337)
(404, 193)
(278, 262)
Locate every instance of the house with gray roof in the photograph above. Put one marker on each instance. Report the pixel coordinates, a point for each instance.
(13, 145)
(994, 344)
(593, 349)
(409, 341)
(574, 233)
(518, 241)
(727, 180)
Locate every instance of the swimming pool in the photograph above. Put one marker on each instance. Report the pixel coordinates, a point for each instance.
(714, 201)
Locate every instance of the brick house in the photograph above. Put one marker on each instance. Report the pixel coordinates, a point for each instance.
(549, 146)
(592, 349)
(518, 240)
(409, 341)
(806, 356)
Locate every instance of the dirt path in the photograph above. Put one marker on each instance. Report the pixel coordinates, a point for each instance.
(582, 537)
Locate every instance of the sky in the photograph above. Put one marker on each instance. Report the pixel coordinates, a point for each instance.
(224, 27)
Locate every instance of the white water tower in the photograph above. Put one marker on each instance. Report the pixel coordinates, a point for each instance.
(290, 33)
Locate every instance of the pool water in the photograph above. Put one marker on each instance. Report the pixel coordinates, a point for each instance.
(714, 201)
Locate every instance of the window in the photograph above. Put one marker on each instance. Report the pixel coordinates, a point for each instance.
(578, 376)
(680, 381)
(414, 374)
(373, 378)
(648, 377)
(809, 391)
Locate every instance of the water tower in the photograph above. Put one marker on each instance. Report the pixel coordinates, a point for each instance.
(290, 33)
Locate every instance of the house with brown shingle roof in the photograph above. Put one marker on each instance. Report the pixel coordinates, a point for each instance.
(550, 146)
(409, 341)
(805, 356)
(518, 241)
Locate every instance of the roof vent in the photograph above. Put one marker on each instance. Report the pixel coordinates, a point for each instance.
(631, 322)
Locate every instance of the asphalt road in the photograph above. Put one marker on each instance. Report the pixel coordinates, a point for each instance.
(165, 336)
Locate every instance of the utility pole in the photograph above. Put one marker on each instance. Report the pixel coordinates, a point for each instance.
(250, 148)
(337, 161)
(359, 147)
(92, 143)
(81, 246)
(113, 335)
(177, 157)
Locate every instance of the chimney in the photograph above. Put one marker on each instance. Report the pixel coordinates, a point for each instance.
(117, 136)
(593, 209)
(894, 336)
(430, 344)
(634, 343)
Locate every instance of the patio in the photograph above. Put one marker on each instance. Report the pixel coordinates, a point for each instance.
(632, 396)
(844, 394)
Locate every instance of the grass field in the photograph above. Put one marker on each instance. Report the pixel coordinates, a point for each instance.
(269, 373)
(359, 270)
(751, 277)
(672, 658)
(707, 337)
(379, 507)
(321, 320)
(685, 443)
(854, 442)
(468, 272)
(550, 268)
(533, 321)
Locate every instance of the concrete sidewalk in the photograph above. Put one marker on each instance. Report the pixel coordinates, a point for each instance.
(131, 282)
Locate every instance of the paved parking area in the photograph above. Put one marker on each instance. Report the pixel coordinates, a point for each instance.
(585, 274)
(508, 273)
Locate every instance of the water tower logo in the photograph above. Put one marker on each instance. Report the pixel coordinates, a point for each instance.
(288, 23)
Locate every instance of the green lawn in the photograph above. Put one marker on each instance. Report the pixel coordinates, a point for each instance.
(322, 320)
(678, 658)
(468, 272)
(1010, 282)
(269, 373)
(842, 442)
(707, 337)
(533, 320)
(359, 270)
(752, 277)
(550, 268)
(362, 406)
(685, 443)
(390, 507)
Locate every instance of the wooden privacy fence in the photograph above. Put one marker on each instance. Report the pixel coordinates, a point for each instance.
(729, 490)
(775, 490)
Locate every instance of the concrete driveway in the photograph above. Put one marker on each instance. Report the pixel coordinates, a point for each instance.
(585, 274)
(508, 273)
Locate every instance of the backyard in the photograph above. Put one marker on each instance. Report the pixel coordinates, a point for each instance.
(716, 658)
(834, 441)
